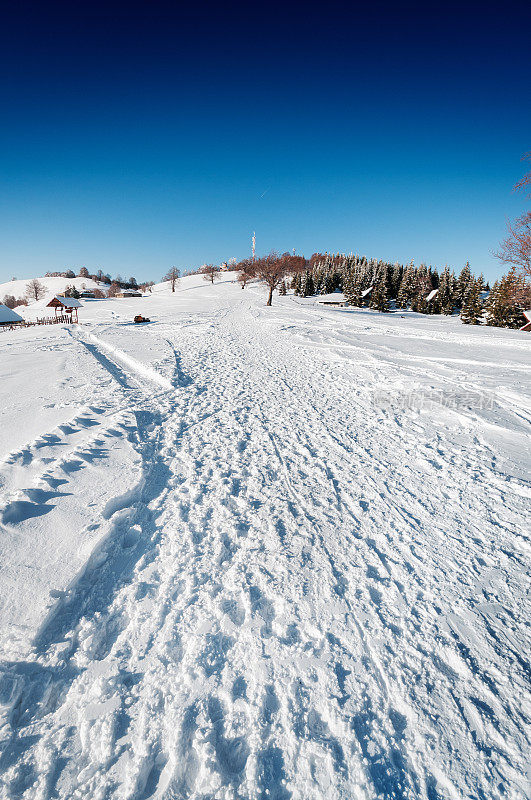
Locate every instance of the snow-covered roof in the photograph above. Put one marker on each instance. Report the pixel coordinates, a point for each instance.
(432, 294)
(68, 302)
(8, 315)
(365, 292)
(527, 315)
(333, 297)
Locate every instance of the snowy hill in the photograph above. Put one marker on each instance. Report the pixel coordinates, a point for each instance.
(53, 286)
(255, 552)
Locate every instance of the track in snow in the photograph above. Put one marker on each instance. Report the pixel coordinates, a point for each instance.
(307, 595)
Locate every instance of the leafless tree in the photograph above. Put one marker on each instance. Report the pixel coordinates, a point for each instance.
(172, 276)
(271, 270)
(246, 271)
(209, 272)
(516, 247)
(113, 289)
(35, 290)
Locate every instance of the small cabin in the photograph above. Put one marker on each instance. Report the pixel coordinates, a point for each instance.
(8, 317)
(87, 294)
(65, 306)
(332, 299)
(527, 326)
(129, 293)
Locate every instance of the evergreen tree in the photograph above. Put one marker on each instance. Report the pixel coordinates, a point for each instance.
(446, 292)
(504, 306)
(472, 309)
(307, 287)
(396, 279)
(282, 290)
(352, 287)
(463, 284)
(422, 289)
(434, 277)
(379, 299)
(406, 292)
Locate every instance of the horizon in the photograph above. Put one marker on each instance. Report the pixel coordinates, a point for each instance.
(136, 140)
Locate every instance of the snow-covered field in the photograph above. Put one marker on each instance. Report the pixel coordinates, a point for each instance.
(253, 552)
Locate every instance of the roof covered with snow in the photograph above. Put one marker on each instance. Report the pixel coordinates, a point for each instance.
(68, 302)
(8, 315)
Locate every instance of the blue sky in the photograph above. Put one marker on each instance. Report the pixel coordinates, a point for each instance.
(134, 139)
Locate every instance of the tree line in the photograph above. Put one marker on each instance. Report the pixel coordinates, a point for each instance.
(379, 285)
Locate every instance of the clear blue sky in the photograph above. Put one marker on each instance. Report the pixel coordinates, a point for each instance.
(138, 139)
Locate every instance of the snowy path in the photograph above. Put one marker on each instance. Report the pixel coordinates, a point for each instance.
(305, 593)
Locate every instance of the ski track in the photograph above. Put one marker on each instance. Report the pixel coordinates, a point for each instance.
(304, 596)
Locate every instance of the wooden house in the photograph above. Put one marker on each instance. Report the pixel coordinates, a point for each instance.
(527, 326)
(8, 317)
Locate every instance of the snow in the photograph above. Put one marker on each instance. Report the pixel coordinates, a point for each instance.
(333, 297)
(53, 286)
(255, 552)
(7, 315)
(68, 302)
(432, 294)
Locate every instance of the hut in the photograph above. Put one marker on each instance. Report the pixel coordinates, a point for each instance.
(8, 317)
(527, 326)
(332, 299)
(129, 293)
(68, 306)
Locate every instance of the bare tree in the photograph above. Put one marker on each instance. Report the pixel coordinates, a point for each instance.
(525, 182)
(35, 290)
(209, 272)
(113, 289)
(516, 247)
(246, 271)
(172, 276)
(271, 270)
(9, 301)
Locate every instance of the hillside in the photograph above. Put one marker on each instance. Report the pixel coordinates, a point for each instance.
(257, 552)
(52, 285)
